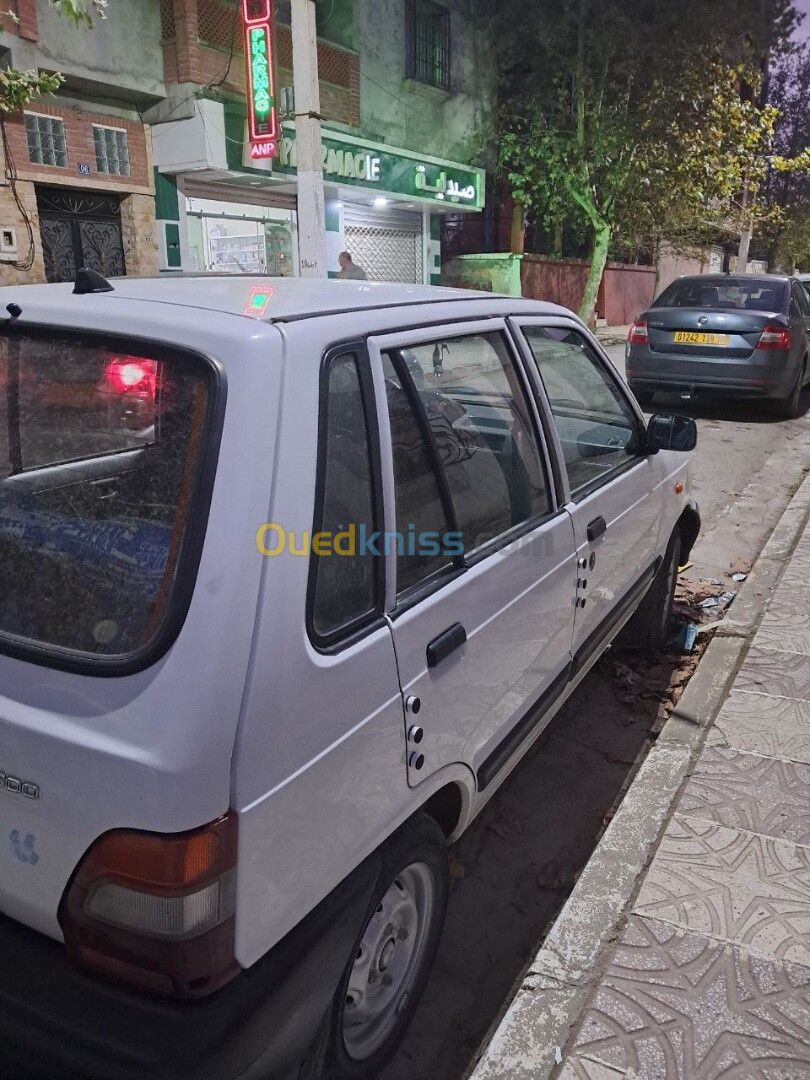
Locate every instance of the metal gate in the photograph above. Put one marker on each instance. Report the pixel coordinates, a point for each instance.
(387, 244)
(80, 230)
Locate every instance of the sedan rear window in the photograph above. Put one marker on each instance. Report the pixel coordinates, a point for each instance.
(741, 294)
(100, 460)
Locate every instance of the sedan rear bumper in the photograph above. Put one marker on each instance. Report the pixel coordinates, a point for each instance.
(769, 375)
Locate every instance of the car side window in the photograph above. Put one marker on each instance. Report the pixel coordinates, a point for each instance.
(800, 305)
(598, 429)
(345, 578)
(422, 528)
(482, 435)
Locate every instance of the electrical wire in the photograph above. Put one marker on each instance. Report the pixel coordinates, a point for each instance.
(11, 172)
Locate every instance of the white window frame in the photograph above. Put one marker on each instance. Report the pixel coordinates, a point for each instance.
(112, 127)
(51, 119)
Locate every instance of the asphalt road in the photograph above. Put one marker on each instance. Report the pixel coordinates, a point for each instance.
(515, 866)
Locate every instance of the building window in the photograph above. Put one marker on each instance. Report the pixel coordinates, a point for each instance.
(46, 140)
(428, 40)
(112, 150)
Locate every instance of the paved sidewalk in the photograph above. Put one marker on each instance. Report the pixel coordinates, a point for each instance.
(711, 975)
(612, 335)
(708, 972)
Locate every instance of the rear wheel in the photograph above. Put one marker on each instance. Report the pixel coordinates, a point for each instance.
(648, 628)
(791, 406)
(393, 957)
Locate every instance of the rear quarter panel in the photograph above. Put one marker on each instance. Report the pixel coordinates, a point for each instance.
(148, 751)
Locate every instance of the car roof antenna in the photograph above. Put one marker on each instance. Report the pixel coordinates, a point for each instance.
(90, 281)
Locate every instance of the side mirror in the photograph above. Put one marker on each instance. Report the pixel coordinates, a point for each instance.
(668, 432)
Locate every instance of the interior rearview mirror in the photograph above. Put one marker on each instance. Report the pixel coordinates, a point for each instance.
(666, 431)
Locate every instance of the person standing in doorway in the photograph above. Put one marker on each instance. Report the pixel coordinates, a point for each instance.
(350, 270)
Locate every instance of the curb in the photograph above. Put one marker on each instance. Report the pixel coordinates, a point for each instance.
(529, 1040)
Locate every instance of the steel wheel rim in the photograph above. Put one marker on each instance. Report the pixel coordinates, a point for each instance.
(387, 962)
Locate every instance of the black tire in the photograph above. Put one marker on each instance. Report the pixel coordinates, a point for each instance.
(791, 406)
(419, 843)
(648, 627)
(643, 397)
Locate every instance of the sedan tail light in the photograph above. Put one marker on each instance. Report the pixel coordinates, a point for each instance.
(774, 337)
(638, 333)
(156, 911)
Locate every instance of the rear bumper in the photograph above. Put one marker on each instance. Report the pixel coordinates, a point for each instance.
(58, 1022)
(770, 375)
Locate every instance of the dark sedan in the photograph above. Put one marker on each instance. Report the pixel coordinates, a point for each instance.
(745, 336)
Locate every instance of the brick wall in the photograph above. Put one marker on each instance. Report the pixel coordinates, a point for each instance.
(139, 231)
(26, 12)
(10, 217)
(81, 149)
(136, 191)
(203, 44)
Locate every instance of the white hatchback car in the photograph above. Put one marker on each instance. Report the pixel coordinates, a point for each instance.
(292, 575)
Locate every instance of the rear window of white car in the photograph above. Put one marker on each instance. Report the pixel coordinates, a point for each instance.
(103, 447)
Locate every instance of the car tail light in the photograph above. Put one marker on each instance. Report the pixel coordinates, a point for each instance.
(638, 333)
(156, 911)
(774, 337)
(131, 375)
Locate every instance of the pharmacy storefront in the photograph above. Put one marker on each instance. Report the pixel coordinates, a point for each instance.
(236, 214)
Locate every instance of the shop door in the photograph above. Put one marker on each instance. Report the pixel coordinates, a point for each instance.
(387, 244)
(80, 230)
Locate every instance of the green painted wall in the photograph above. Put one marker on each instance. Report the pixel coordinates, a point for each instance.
(454, 126)
(336, 21)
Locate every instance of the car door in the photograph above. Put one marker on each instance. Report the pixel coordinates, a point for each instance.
(613, 492)
(481, 565)
(799, 322)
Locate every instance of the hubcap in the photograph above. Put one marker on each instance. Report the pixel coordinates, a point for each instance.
(387, 962)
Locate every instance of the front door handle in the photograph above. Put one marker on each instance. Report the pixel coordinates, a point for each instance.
(597, 528)
(445, 644)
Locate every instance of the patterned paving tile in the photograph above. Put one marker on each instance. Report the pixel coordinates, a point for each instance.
(781, 674)
(579, 1068)
(732, 886)
(746, 791)
(764, 725)
(786, 624)
(676, 1006)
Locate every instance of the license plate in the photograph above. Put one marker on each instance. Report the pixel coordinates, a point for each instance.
(684, 337)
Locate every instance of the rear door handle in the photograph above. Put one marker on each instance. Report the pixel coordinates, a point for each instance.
(597, 528)
(445, 644)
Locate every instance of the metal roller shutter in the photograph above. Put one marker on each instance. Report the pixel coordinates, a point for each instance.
(386, 243)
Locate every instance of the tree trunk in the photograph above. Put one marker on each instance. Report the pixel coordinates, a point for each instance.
(558, 239)
(657, 265)
(518, 238)
(745, 244)
(601, 243)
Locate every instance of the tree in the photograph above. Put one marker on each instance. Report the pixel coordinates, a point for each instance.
(18, 88)
(590, 128)
(787, 186)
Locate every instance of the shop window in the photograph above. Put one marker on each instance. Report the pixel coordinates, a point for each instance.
(112, 150)
(428, 41)
(46, 140)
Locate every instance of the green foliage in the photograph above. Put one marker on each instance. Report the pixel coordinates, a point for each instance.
(628, 119)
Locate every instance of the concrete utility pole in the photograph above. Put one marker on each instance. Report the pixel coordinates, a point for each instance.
(311, 211)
